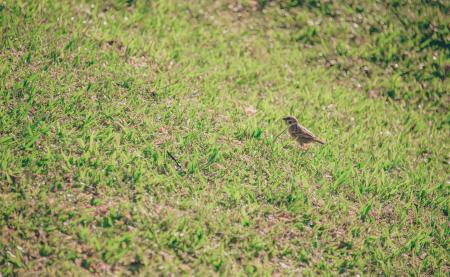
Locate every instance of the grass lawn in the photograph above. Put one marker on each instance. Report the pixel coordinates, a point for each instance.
(138, 137)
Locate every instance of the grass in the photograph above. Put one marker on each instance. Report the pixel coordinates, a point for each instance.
(137, 137)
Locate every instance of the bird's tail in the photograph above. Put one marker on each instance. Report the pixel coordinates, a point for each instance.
(319, 141)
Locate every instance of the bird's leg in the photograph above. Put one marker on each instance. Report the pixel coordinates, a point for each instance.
(304, 146)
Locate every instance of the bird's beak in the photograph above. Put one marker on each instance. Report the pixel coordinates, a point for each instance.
(285, 118)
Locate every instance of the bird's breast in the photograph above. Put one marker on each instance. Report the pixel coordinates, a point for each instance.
(293, 130)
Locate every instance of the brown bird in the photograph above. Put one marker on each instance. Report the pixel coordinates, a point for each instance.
(302, 135)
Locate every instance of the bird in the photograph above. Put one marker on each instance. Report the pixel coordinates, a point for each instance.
(302, 135)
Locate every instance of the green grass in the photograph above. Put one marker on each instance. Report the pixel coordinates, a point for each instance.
(96, 96)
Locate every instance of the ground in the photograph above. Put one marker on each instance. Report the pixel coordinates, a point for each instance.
(138, 137)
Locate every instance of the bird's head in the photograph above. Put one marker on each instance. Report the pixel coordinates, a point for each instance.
(290, 120)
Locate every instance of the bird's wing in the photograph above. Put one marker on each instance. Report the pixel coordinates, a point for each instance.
(306, 133)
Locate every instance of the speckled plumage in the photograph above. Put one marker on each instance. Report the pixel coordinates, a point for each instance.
(302, 135)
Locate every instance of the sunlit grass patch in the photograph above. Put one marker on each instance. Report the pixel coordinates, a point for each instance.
(139, 137)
